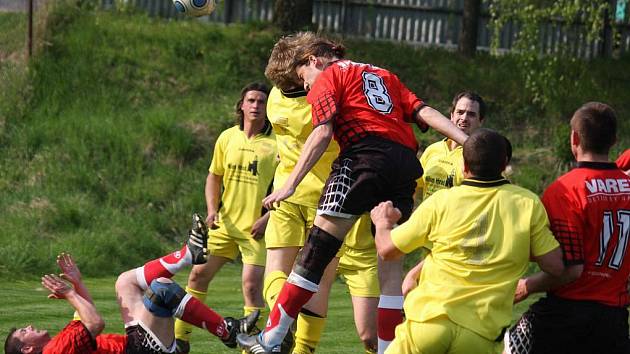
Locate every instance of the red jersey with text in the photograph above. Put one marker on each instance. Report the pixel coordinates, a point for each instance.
(76, 339)
(623, 161)
(361, 100)
(589, 211)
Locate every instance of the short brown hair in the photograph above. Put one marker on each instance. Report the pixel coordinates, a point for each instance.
(485, 153)
(12, 345)
(318, 46)
(473, 97)
(596, 125)
(279, 68)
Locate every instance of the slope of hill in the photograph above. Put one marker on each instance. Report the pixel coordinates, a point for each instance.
(106, 142)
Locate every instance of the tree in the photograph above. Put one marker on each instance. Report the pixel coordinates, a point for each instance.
(545, 70)
(292, 15)
(470, 26)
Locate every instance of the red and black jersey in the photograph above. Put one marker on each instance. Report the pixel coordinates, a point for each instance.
(76, 339)
(589, 212)
(363, 100)
(623, 161)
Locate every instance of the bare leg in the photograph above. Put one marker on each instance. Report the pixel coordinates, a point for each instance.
(252, 285)
(129, 295)
(202, 274)
(365, 320)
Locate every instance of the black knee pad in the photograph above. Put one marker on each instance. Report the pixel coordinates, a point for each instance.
(321, 247)
(163, 298)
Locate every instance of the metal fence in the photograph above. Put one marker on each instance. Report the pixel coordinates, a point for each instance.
(417, 22)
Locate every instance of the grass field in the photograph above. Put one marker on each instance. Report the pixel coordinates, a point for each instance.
(24, 302)
(106, 137)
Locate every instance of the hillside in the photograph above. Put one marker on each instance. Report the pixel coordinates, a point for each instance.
(105, 143)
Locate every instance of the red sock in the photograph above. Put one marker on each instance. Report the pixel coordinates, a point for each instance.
(200, 315)
(167, 266)
(288, 304)
(387, 321)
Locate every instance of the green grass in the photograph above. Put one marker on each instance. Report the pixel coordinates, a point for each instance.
(13, 29)
(24, 302)
(106, 136)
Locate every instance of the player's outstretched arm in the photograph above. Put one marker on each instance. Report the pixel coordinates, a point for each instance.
(553, 275)
(443, 125)
(70, 272)
(385, 216)
(314, 147)
(59, 289)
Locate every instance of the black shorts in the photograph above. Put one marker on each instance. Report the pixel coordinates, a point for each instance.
(141, 341)
(556, 325)
(371, 171)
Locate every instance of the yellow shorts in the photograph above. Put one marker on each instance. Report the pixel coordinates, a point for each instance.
(358, 267)
(288, 225)
(440, 335)
(252, 251)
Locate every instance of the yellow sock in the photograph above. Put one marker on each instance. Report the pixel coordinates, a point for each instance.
(272, 286)
(370, 351)
(263, 315)
(183, 330)
(308, 334)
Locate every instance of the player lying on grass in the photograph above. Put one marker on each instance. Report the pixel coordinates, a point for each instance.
(148, 301)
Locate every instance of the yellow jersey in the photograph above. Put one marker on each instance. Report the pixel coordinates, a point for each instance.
(290, 117)
(247, 167)
(443, 168)
(483, 233)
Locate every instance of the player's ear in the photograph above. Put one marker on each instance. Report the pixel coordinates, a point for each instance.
(575, 138)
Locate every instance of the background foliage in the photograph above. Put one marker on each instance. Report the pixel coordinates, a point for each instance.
(106, 135)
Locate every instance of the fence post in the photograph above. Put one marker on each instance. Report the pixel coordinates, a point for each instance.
(470, 27)
(607, 36)
(344, 16)
(228, 13)
(30, 29)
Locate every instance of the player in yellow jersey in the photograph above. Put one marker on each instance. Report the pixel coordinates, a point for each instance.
(243, 165)
(483, 234)
(443, 161)
(290, 116)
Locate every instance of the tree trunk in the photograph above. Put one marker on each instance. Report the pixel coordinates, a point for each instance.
(470, 25)
(293, 15)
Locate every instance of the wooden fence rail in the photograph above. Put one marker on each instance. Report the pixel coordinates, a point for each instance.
(417, 22)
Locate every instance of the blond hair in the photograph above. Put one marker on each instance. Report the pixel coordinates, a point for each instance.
(279, 69)
(290, 50)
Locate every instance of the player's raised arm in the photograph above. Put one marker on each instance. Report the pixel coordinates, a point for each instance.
(443, 125)
(314, 147)
(385, 216)
(70, 272)
(59, 289)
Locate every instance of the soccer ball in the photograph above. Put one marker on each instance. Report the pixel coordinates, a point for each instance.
(195, 8)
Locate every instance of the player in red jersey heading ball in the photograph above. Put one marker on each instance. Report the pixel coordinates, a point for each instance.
(368, 110)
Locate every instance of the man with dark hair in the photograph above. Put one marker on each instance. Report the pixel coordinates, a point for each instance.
(443, 161)
(240, 175)
(148, 301)
(585, 310)
(483, 233)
